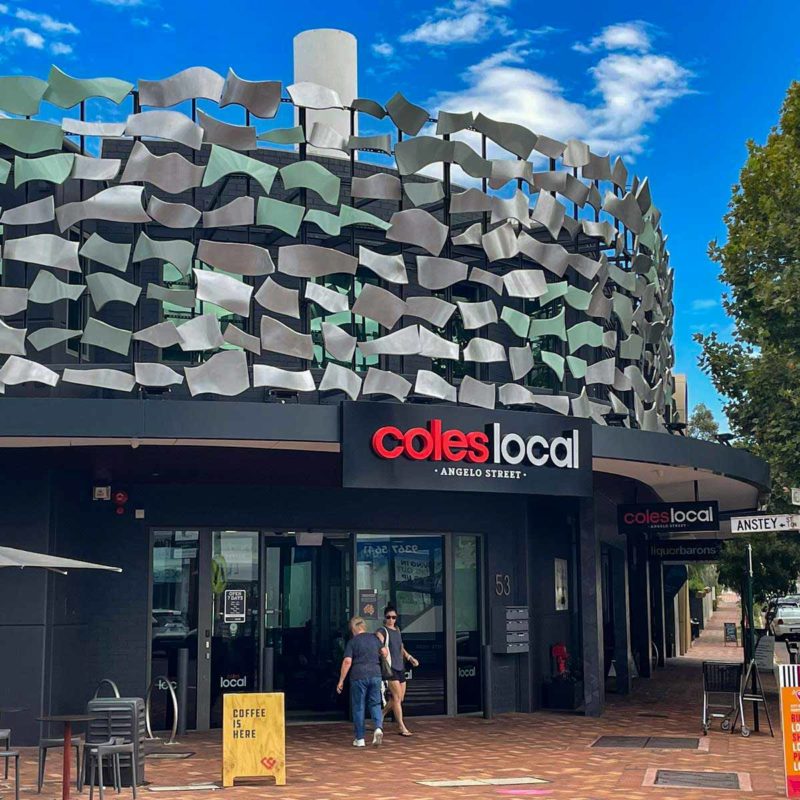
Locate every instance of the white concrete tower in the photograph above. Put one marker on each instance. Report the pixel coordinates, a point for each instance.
(328, 57)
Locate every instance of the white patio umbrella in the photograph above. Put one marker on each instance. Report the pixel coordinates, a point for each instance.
(11, 557)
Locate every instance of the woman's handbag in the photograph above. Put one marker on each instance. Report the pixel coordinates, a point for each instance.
(386, 660)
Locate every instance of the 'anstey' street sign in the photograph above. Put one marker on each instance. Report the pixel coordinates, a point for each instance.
(764, 523)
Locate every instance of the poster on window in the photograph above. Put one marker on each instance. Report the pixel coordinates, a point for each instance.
(562, 584)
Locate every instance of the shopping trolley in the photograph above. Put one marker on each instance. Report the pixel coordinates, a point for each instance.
(722, 680)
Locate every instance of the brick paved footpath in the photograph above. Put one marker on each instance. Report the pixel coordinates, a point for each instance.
(322, 764)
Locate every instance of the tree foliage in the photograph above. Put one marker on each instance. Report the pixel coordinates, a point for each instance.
(702, 424)
(776, 564)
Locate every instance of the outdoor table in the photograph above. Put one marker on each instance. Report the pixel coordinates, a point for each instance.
(67, 720)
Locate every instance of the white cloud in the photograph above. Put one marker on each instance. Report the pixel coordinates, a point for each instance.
(634, 35)
(464, 21)
(3, 8)
(704, 304)
(25, 35)
(142, 22)
(121, 3)
(383, 49)
(60, 49)
(167, 27)
(45, 21)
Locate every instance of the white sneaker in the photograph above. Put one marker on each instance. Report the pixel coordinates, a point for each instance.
(377, 737)
(359, 743)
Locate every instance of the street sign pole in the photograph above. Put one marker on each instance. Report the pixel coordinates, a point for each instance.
(751, 634)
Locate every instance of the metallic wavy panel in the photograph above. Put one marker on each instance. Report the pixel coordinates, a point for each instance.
(340, 344)
(114, 379)
(312, 175)
(357, 216)
(223, 291)
(261, 98)
(21, 95)
(380, 186)
(170, 125)
(390, 268)
(86, 168)
(520, 360)
(109, 337)
(431, 309)
(329, 299)
(185, 298)
(472, 392)
(552, 148)
(515, 207)
(631, 347)
(44, 338)
(433, 346)
(237, 257)
(404, 342)
(30, 136)
(286, 217)
(45, 249)
(312, 95)
(115, 204)
(21, 370)
(65, 91)
(512, 394)
(366, 106)
(526, 283)
(506, 169)
(470, 201)
(601, 372)
(327, 138)
(107, 288)
(600, 305)
(500, 243)
(274, 297)
(517, 139)
(470, 161)
(46, 288)
(583, 265)
(235, 137)
(471, 236)
(439, 273)
(240, 211)
(622, 308)
(156, 375)
(619, 174)
(577, 367)
(448, 122)
(277, 378)
(598, 168)
(405, 115)
(418, 227)
(626, 210)
(172, 215)
(279, 338)
(486, 278)
(576, 154)
(295, 135)
(339, 378)
(171, 172)
(238, 338)
(429, 384)
(477, 315)
(584, 334)
(312, 261)
(565, 184)
(13, 300)
(33, 213)
(224, 374)
(200, 333)
(413, 155)
(603, 230)
(163, 334)
(424, 194)
(379, 305)
(381, 143)
(549, 326)
(552, 257)
(519, 323)
(78, 127)
(381, 382)
(178, 252)
(549, 212)
(193, 83)
(52, 169)
(484, 351)
(12, 340)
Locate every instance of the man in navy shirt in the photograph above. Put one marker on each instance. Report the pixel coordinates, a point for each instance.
(362, 660)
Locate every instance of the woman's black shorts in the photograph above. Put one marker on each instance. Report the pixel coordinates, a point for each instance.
(398, 675)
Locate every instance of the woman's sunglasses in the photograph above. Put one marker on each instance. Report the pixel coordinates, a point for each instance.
(391, 616)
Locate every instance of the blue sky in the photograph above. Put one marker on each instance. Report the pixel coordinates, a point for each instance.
(676, 92)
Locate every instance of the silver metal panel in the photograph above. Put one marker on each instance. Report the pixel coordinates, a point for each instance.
(163, 334)
(484, 351)
(312, 261)
(339, 378)
(170, 125)
(600, 305)
(601, 372)
(178, 252)
(521, 361)
(439, 273)
(549, 212)
(429, 384)
(101, 334)
(471, 236)
(172, 215)
(274, 297)
(576, 154)
(603, 230)
(77, 127)
(43, 338)
(552, 257)
(432, 309)
(224, 291)
(327, 138)
(235, 137)
(433, 346)
(171, 172)
(512, 394)
(527, 283)
(156, 375)
(418, 227)
(517, 139)
(449, 122)
(340, 344)
(106, 288)
(312, 95)
(260, 98)
(619, 174)
(470, 201)
(515, 207)
(45, 249)
(584, 265)
(114, 379)
(188, 84)
(20, 370)
(238, 338)
(379, 381)
(278, 378)
(404, 342)
(12, 340)
(413, 155)
(551, 148)
(237, 257)
(424, 194)
(405, 115)
(240, 211)
(13, 300)
(626, 210)
(379, 305)
(380, 186)
(86, 168)
(507, 169)
(366, 106)
(485, 278)
(594, 199)
(279, 338)
(224, 373)
(643, 197)
(185, 298)
(581, 406)
(200, 333)
(390, 268)
(500, 243)
(329, 299)
(33, 213)
(598, 168)
(476, 393)
(476, 315)
(115, 204)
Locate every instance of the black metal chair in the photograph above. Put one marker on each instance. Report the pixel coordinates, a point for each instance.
(7, 755)
(45, 744)
(113, 749)
(5, 736)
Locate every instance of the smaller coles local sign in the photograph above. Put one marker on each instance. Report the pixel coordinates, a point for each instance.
(668, 517)
(455, 449)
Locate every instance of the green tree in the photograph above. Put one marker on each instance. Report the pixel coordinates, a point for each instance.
(776, 564)
(702, 424)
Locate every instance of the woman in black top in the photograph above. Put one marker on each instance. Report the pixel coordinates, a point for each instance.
(391, 637)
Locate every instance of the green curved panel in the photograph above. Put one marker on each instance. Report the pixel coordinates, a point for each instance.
(224, 162)
(554, 326)
(577, 366)
(578, 299)
(284, 216)
(631, 347)
(311, 175)
(424, 194)
(5, 170)
(583, 334)
(64, 91)
(355, 216)
(555, 362)
(21, 95)
(627, 280)
(283, 135)
(329, 223)
(623, 310)
(518, 322)
(554, 291)
(30, 136)
(53, 169)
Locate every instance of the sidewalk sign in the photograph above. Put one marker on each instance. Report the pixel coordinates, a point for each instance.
(790, 726)
(731, 636)
(765, 522)
(253, 737)
(765, 653)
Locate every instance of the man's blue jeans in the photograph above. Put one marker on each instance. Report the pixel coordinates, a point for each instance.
(365, 694)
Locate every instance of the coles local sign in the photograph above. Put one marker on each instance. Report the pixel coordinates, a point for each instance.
(668, 517)
(461, 449)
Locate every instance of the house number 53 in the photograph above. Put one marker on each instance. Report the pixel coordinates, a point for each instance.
(502, 584)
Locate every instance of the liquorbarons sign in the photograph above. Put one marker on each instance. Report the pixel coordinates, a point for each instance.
(683, 550)
(668, 517)
(464, 449)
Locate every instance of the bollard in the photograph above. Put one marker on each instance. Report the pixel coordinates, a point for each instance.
(269, 668)
(488, 712)
(183, 688)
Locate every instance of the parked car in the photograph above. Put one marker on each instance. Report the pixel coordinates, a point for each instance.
(784, 621)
